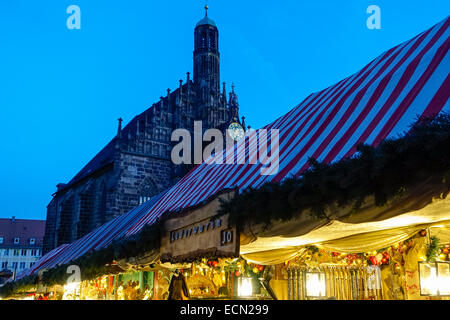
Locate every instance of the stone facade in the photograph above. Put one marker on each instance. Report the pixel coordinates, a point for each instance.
(136, 164)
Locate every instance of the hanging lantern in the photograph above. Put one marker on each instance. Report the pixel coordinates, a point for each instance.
(423, 233)
(245, 287)
(434, 278)
(315, 284)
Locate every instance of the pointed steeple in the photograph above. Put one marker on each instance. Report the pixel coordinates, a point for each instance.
(224, 94)
(206, 57)
(119, 128)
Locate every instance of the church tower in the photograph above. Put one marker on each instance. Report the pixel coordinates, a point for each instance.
(207, 69)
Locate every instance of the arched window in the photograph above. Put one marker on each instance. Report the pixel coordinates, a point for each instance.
(102, 204)
(64, 232)
(203, 39)
(86, 212)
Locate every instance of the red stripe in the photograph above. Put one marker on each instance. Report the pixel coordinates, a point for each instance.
(320, 130)
(379, 91)
(412, 94)
(333, 95)
(439, 100)
(374, 123)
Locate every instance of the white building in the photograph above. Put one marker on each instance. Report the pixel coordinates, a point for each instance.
(20, 245)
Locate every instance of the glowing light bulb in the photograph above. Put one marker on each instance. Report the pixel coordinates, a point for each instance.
(245, 287)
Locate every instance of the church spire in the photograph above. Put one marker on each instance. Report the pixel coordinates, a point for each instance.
(207, 56)
(119, 128)
(224, 94)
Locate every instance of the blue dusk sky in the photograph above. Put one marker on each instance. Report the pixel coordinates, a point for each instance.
(62, 91)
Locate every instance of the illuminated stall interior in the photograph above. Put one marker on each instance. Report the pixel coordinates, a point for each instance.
(416, 268)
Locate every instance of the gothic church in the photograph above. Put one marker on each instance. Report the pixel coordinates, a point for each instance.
(135, 165)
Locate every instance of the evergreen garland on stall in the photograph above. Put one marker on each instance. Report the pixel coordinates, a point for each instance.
(25, 284)
(433, 249)
(93, 264)
(97, 263)
(385, 172)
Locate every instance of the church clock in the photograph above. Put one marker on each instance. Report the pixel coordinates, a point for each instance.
(236, 131)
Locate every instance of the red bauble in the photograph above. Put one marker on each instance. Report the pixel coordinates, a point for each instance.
(214, 264)
(373, 260)
(237, 273)
(260, 268)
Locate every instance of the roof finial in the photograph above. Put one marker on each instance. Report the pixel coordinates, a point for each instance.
(206, 9)
(119, 129)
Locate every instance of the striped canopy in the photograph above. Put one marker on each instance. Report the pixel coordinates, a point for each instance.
(382, 100)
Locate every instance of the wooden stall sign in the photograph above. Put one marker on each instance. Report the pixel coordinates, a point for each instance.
(197, 234)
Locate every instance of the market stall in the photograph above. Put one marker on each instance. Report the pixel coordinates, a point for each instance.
(403, 257)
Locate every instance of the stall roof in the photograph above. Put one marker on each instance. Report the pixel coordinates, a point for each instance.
(97, 239)
(381, 100)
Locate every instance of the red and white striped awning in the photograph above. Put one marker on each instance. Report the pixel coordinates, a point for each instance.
(382, 100)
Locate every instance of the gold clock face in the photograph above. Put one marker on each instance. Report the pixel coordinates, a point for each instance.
(236, 131)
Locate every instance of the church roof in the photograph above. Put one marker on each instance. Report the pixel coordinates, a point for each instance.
(380, 101)
(206, 21)
(101, 160)
(106, 156)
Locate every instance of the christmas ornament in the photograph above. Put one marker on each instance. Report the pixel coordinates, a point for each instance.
(237, 273)
(373, 260)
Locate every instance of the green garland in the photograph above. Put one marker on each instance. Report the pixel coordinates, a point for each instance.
(25, 284)
(385, 172)
(94, 263)
(433, 249)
